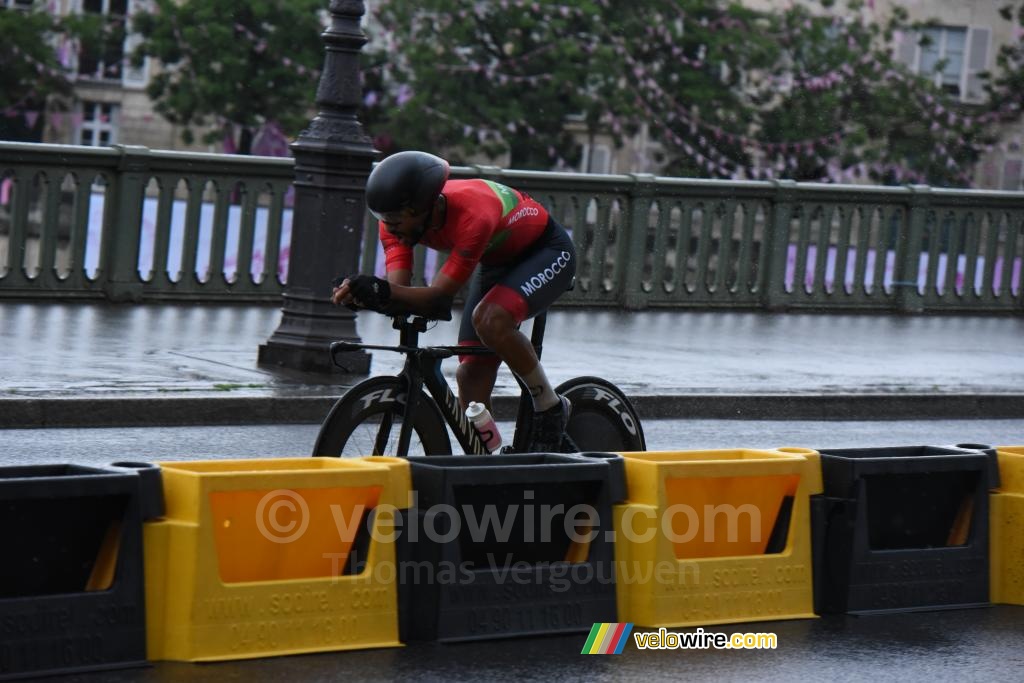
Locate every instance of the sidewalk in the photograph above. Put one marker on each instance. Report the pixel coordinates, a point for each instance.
(89, 364)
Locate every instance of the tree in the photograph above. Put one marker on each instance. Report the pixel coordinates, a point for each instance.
(818, 97)
(32, 77)
(229, 67)
(1006, 88)
(804, 92)
(689, 67)
(502, 77)
(853, 111)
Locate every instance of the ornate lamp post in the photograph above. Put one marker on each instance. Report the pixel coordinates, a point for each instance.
(333, 157)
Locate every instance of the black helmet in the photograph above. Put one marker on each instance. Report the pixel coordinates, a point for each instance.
(406, 182)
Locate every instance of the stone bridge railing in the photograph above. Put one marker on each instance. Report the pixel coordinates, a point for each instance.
(129, 223)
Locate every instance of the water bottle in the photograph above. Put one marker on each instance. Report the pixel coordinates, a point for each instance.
(485, 425)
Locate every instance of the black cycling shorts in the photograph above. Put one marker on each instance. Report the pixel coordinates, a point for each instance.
(527, 287)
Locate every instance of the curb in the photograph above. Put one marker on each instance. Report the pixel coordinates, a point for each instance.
(196, 411)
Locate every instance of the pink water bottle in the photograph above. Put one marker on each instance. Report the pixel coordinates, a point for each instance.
(485, 425)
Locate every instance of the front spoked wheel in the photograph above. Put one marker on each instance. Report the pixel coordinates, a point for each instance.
(602, 418)
(367, 420)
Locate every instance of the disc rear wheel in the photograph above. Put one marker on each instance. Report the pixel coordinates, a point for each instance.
(602, 418)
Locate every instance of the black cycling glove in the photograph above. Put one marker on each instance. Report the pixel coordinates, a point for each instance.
(371, 292)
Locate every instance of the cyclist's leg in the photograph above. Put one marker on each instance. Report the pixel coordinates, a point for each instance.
(525, 290)
(476, 374)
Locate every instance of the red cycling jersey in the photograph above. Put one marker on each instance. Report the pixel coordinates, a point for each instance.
(486, 222)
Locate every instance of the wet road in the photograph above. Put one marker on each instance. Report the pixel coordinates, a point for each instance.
(104, 445)
(102, 350)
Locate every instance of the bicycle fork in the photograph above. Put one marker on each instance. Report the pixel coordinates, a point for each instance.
(413, 384)
(413, 388)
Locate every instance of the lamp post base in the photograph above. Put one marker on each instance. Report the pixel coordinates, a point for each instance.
(303, 339)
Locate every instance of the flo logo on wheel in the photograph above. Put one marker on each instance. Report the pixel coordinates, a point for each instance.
(617, 406)
(382, 396)
(607, 639)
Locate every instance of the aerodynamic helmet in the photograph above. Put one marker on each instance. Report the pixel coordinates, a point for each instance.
(405, 183)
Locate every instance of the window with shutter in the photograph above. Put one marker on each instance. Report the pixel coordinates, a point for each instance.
(977, 62)
(602, 160)
(134, 76)
(1012, 174)
(989, 175)
(105, 61)
(906, 49)
(953, 56)
(596, 159)
(99, 124)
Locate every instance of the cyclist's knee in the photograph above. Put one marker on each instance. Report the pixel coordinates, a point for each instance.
(501, 309)
(492, 320)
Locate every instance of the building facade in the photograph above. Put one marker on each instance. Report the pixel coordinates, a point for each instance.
(110, 104)
(966, 37)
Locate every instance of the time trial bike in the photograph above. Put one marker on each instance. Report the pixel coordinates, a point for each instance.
(393, 415)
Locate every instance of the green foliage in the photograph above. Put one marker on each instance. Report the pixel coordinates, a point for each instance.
(240, 62)
(473, 77)
(1006, 88)
(28, 58)
(688, 66)
(875, 112)
(707, 77)
(727, 91)
(31, 77)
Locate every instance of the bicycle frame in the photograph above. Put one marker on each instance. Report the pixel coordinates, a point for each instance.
(422, 369)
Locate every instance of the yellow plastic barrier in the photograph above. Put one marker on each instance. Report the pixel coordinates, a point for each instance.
(1006, 524)
(270, 557)
(716, 537)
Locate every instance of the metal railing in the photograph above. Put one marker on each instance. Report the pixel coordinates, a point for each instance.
(128, 223)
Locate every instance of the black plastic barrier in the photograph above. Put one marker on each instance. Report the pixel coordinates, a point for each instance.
(71, 574)
(903, 529)
(507, 546)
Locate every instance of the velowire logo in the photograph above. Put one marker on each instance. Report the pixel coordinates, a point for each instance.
(607, 639)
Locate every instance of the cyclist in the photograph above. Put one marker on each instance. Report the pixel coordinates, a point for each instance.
(517, 260)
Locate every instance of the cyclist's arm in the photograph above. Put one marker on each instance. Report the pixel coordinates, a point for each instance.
(401, 276)
(432, 301)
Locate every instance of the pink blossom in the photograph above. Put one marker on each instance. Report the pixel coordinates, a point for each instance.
(404, 94)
